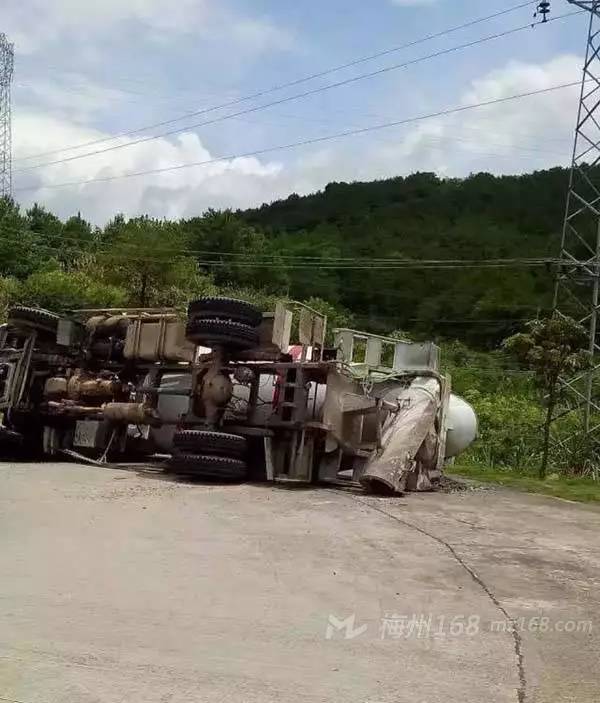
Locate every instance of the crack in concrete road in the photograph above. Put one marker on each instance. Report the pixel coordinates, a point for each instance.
(518, 641)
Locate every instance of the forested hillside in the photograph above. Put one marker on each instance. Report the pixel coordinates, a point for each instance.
(319, 246)
(424, 217)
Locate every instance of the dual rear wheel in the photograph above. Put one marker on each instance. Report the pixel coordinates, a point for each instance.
(231, 325)
(223, 322)
(209, 455)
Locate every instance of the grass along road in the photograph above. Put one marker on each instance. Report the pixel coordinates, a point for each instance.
(584, 490)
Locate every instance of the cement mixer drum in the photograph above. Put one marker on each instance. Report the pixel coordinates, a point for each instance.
(462, 426)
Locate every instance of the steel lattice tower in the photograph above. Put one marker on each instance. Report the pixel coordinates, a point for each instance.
(6, 72)
(577, 291)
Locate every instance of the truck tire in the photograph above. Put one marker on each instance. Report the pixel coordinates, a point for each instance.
(10, 437)
(208, 442)
(107, 350)
(37, 318)
(224, 333)
(224, 309)
(214, 468)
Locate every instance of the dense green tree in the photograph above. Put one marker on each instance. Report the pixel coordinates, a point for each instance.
(10, 292)
(45, 224)
(234, 252)
(19, 253)
(148, 259)
(61, 291)
(78, 237)
(551, 348)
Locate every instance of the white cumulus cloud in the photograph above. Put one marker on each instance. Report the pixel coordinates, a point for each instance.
(32, 24)
(237, 182)
(509, 137)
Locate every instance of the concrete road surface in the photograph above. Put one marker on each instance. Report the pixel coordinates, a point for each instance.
(122, 587)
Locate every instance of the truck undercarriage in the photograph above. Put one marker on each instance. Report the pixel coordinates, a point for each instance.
(229, 393)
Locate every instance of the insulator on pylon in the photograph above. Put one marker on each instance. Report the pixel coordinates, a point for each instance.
(543, 9)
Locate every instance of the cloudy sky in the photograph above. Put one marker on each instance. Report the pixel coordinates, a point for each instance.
(86, 71)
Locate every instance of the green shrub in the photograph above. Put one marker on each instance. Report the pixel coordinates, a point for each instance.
(59, 290)
(10, 291)
(509, 430)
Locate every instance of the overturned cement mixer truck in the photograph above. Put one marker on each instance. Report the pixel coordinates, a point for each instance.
(228, 393)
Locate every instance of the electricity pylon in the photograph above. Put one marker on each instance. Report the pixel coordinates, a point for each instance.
(577, 292)
(6, 73)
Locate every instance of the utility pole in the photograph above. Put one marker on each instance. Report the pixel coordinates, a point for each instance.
(578, 281)
(7, 60)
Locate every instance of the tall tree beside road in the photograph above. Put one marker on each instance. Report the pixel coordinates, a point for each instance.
(550, 348)
(148, 259)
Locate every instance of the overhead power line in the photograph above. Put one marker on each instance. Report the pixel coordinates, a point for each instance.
(324, 264)
(415, 265)
(246, 256)
(252, 260)
(381, 266)
(212, 258)
(290, 98)
(249, 258)
(276, 88)
(323, 120)
(463, 320)
(302, 142)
